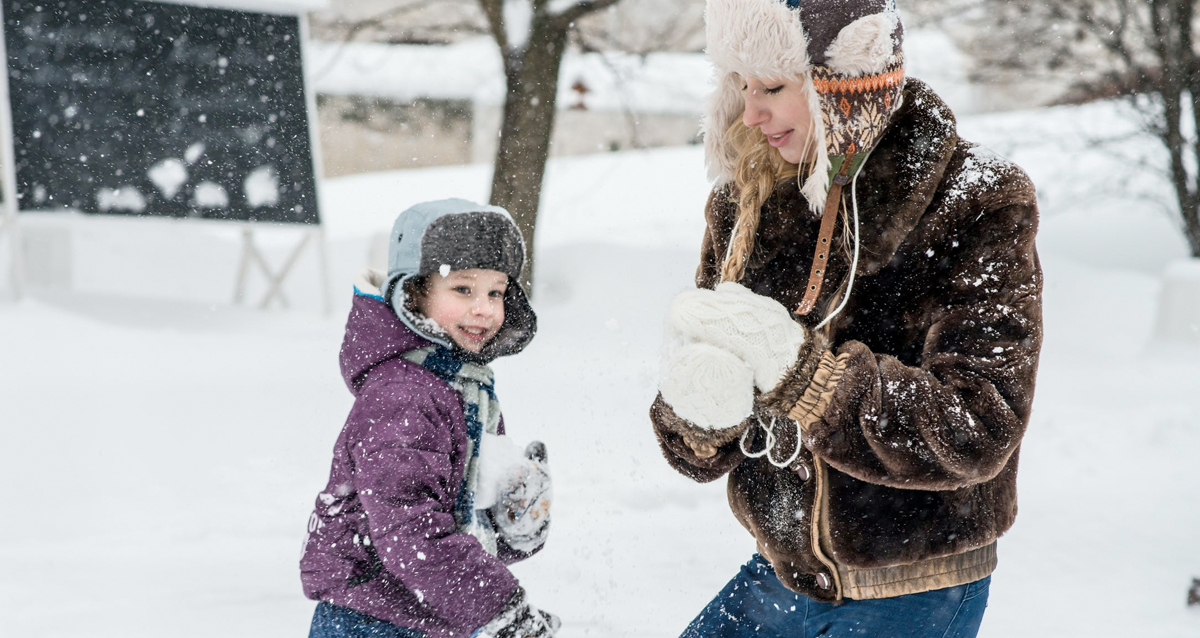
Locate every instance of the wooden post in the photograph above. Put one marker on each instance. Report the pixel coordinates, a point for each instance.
(8, 212)
(253, 259)
(314, 136)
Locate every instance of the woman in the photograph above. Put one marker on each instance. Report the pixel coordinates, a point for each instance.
(861, 350)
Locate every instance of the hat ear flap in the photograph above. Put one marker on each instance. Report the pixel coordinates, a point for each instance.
(865, 46)
(816, 186)
(725, 106)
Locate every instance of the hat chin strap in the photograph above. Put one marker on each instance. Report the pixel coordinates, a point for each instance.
(816, 276)
(853, 264)
(839, 180)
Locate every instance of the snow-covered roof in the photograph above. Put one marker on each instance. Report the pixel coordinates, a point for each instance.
(262, 6)
(655, 83)
(472, 70)
(466, 71)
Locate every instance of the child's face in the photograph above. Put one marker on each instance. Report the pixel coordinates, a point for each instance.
(467, 304)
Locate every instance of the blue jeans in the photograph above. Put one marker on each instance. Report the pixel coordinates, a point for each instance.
(333, 621)
(756, 605)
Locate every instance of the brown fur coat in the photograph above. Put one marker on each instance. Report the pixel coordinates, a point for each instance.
(911, 456)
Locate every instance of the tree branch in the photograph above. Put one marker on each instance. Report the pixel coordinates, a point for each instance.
(580, 9)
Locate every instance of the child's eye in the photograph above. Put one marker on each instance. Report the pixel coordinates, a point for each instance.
(496, 293)
(462, 290)
(773, 91)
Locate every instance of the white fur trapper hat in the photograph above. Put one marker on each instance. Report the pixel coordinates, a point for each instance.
(846, 53)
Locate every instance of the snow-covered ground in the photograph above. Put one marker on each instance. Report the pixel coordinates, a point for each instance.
(162, 448)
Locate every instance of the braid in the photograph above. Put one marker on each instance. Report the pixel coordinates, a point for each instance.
(759, 169)
(750, 199)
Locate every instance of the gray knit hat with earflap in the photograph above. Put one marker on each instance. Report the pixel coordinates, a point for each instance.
(457, 234)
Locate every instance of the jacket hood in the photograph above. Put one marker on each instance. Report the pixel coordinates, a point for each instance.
(846, 55)
(457, 234)
(374, 333)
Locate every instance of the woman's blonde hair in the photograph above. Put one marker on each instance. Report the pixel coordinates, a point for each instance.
(758, 171)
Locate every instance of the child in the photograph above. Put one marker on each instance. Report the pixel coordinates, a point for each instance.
(426, 503)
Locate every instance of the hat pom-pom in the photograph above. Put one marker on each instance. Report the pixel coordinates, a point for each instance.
(864, 46)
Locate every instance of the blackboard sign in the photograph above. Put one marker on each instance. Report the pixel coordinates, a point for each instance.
(122, 107)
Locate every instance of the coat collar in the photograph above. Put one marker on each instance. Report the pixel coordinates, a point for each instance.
(895, 186)
(902, 175)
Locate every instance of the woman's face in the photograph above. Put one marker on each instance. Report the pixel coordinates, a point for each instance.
(779, 109)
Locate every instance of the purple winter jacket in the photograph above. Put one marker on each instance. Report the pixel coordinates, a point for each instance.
(397, 470)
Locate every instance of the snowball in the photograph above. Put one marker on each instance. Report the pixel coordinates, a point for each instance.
(498, 454)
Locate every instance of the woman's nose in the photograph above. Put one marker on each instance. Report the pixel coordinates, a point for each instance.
(754, 115)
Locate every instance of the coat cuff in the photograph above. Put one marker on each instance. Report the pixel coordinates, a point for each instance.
(819, 393)
(779, 401)
(670, 429)
(666, 418)
(807, 388)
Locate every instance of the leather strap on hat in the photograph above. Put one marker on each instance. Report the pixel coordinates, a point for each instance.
(816, 276)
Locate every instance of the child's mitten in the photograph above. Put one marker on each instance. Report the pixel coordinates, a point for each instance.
(522, 510)
(519, 619)
(756, 329)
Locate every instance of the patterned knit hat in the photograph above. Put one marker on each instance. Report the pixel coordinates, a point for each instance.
(847, 54)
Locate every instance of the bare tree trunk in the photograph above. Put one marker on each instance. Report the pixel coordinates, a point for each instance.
(1171, 26)
(531, 72)
(526, 129)
(1191, 69)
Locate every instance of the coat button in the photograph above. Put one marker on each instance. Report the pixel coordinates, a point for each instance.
(823, 581)
(803, 472)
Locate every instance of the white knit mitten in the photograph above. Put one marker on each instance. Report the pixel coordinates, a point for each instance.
(756, 329)
(708, 386)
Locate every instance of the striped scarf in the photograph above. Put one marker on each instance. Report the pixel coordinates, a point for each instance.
(482, 412)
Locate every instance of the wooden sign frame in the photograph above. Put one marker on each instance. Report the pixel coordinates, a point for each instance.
(252, 260)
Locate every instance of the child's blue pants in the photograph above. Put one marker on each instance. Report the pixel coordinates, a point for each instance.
(332, 621)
